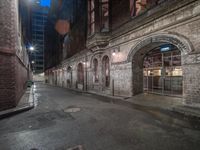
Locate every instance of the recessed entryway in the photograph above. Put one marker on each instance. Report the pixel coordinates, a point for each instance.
(162, 71)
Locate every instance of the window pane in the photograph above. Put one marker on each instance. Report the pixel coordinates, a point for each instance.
(92, 4)
(132, 7)
(104, 16)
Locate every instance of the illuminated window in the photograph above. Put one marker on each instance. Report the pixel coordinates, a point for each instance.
(91, 17)
(104, 6)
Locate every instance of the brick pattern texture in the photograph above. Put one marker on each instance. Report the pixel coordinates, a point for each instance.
(13, 73)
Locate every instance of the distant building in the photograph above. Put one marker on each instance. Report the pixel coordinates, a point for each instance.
(14, 61)
(39, 18)
(58, 45)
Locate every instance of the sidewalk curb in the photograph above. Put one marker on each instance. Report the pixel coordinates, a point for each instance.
(17, 110)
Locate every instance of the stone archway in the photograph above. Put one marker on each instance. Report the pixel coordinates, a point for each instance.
(139, 51)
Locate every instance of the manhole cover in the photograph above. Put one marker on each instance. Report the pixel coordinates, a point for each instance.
(72, 110)
(79, 147)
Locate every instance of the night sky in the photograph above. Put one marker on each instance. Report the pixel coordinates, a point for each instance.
(45, 2)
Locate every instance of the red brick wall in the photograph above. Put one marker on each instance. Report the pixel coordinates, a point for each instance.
(7, 81)
(13, 73)
(21, 76)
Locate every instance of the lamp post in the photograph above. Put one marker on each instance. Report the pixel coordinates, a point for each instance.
(32, 54)
(31, 48)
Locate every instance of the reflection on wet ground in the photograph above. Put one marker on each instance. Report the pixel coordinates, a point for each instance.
(166, 116)
(64, 119)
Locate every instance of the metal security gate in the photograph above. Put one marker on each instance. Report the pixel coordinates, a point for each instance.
(163, 71)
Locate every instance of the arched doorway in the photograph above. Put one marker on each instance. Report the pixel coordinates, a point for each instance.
(162, 71)
(157, 68)
(69, 77)
(80, 76)
(138, 54)
(95, 72)
(106, 71)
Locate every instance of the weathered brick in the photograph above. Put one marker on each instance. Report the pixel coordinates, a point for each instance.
(13, 72)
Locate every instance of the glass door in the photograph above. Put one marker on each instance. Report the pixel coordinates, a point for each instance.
(163, 72)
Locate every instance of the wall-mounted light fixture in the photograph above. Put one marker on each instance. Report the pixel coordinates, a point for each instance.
(115, 51)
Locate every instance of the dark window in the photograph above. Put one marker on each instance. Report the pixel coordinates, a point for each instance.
(138, 6)
(106, 71)
(80, 73)
(91, 17)
(132, 7)
(69, 77)
(95, 63)
(104, 6)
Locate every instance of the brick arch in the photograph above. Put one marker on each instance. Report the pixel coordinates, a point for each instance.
(95, 56)
(138, 52)
(181, 42)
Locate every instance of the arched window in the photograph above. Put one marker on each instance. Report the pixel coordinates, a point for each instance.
(91, 16)
(80, 73)
(104, 9)
(132, 7)
(106, 71)
(96, 77)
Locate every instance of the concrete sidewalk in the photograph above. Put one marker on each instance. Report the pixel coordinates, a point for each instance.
(172, 104)
(26, 103)
(156, 101)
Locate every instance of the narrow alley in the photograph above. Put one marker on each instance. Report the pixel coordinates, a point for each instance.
(63, 119)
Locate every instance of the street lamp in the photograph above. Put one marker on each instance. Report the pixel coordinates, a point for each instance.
(31, 48)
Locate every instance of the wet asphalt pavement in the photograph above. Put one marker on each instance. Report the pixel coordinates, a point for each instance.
(63, 119)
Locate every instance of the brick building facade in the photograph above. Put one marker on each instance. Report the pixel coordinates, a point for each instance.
(137, 46)
(14, 64)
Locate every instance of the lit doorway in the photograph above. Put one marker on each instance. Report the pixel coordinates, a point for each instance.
(163, 71)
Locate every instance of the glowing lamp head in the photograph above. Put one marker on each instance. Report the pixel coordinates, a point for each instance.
(32, 48)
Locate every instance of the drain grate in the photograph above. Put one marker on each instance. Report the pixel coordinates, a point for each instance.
(79, 147)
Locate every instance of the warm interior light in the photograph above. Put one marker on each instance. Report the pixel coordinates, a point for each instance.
(113, 53)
